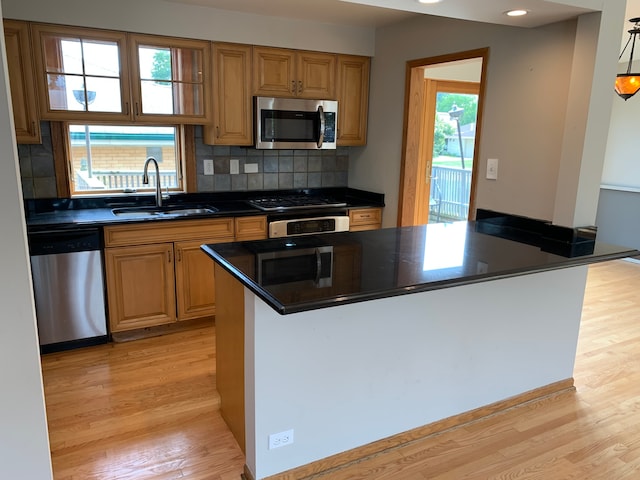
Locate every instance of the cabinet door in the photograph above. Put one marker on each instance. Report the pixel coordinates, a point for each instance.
(251, 228)
(274, 72)
(140, 285)
(232, 107)
(195, 286)
(316, 75)
(353, 99)
(169, 79)
(82, 73)
(23, 93)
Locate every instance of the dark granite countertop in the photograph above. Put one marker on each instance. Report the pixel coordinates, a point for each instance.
(395, 261)
(69, 213)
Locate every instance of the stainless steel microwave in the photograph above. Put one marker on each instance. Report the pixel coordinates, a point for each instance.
(295, 123)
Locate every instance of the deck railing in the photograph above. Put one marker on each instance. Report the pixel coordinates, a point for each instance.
(450, 191)
(130, 180)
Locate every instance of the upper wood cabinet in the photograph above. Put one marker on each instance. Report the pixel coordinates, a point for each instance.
(353, 99)
(23, 92)
(285, 73)
(97, 75)
(232, 107)
(169, 79)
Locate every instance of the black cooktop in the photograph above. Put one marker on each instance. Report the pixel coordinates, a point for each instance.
(273, 203)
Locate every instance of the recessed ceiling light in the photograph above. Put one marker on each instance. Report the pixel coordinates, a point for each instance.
(516, 13)
(429, 1)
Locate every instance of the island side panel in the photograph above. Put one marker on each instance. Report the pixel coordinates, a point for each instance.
(345, 376)
(230, 351)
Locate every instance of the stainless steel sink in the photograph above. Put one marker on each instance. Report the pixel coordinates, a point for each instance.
(175, 211)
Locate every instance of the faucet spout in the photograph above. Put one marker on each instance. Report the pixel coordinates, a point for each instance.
(145, 179)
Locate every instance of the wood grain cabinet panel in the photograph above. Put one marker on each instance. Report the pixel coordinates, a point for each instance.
(281, 72)
(353, 99)
(140, 285)
(21, 79)
(232, 100)
(195, 284)
(365, 219)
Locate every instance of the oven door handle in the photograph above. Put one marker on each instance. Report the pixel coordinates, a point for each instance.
(321, 132)
(318, 265)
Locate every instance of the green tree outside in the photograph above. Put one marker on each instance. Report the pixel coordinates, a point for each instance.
(161, 67)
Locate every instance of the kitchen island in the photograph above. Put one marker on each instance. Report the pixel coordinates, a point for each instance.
(411, 330)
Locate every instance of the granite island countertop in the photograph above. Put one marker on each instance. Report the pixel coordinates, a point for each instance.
(389, 262)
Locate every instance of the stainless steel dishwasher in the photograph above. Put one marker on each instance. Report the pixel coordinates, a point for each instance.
(68, 284)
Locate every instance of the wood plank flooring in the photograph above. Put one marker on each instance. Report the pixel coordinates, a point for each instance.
(149, 410)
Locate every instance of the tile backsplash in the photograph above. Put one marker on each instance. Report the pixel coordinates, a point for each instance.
(269, 169)
(257, 169)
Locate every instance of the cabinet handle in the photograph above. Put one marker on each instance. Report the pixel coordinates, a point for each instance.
(126, 108)
(136, 109)
(169, 255)
(179, 255)
(217, 131)
(299, 87)
(33, 127)
(293, 87)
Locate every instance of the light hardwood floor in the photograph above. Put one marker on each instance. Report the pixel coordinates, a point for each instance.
(148, 410)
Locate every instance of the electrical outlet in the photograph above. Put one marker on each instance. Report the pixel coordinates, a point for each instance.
(234, 166)
(281, 439)
(492, 168)
(208, 166)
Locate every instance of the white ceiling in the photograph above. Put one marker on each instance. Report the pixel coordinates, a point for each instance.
(375, 13)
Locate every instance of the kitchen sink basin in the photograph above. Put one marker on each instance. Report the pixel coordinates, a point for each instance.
(170, 211)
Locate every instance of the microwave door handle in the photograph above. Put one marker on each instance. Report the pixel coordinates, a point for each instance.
(321, 132)
(318, 266)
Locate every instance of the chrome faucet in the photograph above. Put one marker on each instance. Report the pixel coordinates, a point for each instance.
(145, 179)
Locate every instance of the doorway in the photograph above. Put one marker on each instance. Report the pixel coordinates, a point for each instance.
(439, 163)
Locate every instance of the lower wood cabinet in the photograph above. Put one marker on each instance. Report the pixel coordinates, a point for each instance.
(365, 219)
(157, 274)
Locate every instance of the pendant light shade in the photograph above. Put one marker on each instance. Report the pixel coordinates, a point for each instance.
(627, 84)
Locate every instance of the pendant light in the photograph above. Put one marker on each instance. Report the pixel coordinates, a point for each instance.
(628, 84)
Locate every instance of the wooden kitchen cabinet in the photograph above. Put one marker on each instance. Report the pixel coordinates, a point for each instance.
(87, 74)
(21, 79)
(282, 72)
(232, 99)
(353, 99)
(365, 219)
(140, 286)
(157, 274)
(251, 228)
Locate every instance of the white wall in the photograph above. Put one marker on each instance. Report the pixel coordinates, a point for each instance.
(528, 83)
(24, 442)
(192, 21)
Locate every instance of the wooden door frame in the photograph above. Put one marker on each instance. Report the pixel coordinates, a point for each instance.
(415, 124)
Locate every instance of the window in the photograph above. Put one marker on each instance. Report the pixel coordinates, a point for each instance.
(110, 159)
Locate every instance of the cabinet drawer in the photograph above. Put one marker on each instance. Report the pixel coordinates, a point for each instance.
(251, 228)
(169, 231)
(365, 216)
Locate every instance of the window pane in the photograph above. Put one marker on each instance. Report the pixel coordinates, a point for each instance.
(111, 158)
(188, 98)
(155, 63)
(101, 58)
(156, 97)
(106, 94)
(83, 75)
(188, 65)
(61, 88)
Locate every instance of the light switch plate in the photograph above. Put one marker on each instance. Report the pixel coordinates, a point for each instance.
(234, 166)
(208, 166)
(492, 169)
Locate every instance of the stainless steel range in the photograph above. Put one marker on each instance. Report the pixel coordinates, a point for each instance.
(302, 214)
